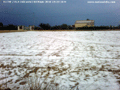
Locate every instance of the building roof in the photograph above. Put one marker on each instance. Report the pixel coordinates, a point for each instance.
(83, 21)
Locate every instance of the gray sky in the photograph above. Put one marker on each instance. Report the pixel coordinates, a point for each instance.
(59, 13)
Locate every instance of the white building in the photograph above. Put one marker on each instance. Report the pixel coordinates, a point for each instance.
(82, 23)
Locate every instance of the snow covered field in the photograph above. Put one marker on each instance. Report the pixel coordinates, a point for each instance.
(86, 60)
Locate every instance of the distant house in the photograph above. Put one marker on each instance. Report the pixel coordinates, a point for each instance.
(82, 23)
(32, 27)
(26, 28)
(20, 27)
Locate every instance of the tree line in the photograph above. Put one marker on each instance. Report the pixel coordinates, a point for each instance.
(56, 27)
(8, 27)
(43, 26)
(98, 28)
(68, 27)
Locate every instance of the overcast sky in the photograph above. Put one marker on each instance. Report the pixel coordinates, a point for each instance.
(59, 13)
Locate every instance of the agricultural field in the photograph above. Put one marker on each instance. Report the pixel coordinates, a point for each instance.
(60, 60)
